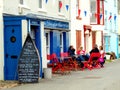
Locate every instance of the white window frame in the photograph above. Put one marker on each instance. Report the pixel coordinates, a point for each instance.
(47, 35)
(61, 42)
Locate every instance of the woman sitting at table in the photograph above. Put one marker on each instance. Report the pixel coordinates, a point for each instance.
(82, 54)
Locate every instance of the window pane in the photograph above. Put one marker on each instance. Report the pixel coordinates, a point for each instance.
(40, 3)
(93, 11)
(21, 1)
(59, 6)
(47, 39)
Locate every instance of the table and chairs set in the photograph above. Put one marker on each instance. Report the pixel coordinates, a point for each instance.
(66, 63)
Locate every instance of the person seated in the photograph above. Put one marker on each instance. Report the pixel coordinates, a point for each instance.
(102, 57)
(71, 52)
(94, 50)
(82, 54)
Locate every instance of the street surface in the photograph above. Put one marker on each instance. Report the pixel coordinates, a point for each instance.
(107, 78)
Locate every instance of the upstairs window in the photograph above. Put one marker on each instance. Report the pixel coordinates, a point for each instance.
(93, 8)
(97, 10)
(40, 3)
(115, 3)
(78, 11)
(21, 2)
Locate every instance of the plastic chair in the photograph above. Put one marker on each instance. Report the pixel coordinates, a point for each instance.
(68, 62)
(93, 61)
(55, 63)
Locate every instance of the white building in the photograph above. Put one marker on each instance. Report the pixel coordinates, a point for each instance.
(86, 26)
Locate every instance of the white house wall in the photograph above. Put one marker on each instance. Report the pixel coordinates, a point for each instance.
(73, 24)
(78, 24)
(49, 8)
(1, 42)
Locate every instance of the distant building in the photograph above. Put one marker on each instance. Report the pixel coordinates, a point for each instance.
(111, 26)
(119, 26)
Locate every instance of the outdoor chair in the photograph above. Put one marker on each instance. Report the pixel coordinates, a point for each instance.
(68, 62)
(93, 61)
(55, 64)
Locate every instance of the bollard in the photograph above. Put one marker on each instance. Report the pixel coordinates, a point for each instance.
(47, 73)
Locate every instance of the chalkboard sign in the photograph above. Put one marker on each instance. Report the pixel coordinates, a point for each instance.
(28, 64)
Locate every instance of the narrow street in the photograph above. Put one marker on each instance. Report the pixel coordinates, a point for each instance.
(107, 78)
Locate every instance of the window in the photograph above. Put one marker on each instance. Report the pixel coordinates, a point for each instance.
(61, 42)
(107, 43)
(77, 7)
(21, 2)
(93, 11)
(97, 10)
(119, 38)
(40, 3)
(115, 28)
(59, 6)
(105, 23)
(111, 26)
(47, 42)
(110, 22)
(115, 3)
(78, 11)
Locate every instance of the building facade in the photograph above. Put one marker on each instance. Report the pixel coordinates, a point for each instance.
(119, 26)
(46, 21)
(88, 29)
(111, 26)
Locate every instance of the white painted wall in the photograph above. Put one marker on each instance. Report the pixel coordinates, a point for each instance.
(24, 30)
(73, 24)
(78, 24)
(49, 9)
(1, 42)
(43, 46)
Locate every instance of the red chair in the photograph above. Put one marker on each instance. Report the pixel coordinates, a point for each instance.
(68, 62)
(93, 61)
(55, 64)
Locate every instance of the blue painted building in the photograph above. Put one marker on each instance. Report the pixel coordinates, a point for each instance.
(111, 26)
(15, 32)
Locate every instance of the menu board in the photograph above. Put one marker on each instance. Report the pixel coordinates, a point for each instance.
(28, 64)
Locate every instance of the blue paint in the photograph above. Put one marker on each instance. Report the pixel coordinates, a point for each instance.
(65, 41)
(12, 50)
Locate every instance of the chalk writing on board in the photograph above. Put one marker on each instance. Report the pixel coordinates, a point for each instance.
(28, 64)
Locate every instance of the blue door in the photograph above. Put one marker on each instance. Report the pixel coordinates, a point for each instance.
(12, 45)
